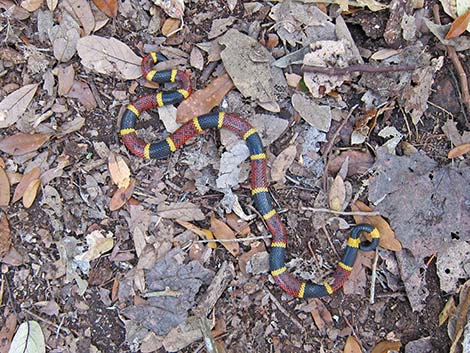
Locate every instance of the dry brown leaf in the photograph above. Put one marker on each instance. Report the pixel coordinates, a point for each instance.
(448, 310)
(27, 179)
(205, 234)
(237, 224)
(120, 172)
(461, 315)
(459, 150)
(222, 231)
(320, 315)
(352, 345)
(173, 8)
(386, 346)
(359, 162)
(170, 26)
(31, 5)
(52, 4)
(109, 7)
(7, 332)
(65, 78)
(202, 101)
(81, 11)
(282, 162)
(5, 236)
(387, 235)
(337, 194)
(15, 104)
(196, 59)
(4, 189)
(2, 163)
(20, 143)
(31, 192)
(459, 25)
(81, 91)
(121, 196)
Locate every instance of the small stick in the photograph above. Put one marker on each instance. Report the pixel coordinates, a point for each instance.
(334, 71)
(373, 278)
(343, 213)
(284, 311)
(240, 240)
(314, 256)
(329, 241)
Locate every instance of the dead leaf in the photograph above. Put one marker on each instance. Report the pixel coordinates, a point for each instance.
(109, 56)
(81, 91)
(121, 196)
(109, 7)
(98, 244)
(222, 231)
(202, 101)
(352, 345)
(282, 163)
(170, 26)
(359, 162)
(120, 172)
(15, 104)
(386, 346)
(30, 193)
(7, 332)
(65, 78)
(31, 5)
(81, 11)
(52, 4)
(459, 25)
(5, 236)
(387, 235)
(239, 225)
(449, 309)
(337, 194)
(320, 315)
(183, 211)
(196, 59)
(20, 143)
(205, 234)
(4, 188)
(173, 8)
(460, 150)
(27, 179)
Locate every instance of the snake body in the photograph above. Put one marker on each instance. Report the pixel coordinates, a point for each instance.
(259, 182)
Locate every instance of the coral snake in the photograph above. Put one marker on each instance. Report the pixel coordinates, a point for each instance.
(259, 182)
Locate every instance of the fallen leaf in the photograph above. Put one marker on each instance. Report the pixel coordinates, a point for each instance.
(173, 8)
(98, 244)
(31, 5)
(6, 332)
(320, 315)
(5, 236)
(52, 4)
(319, 116)
(109, 56)
(64, 37)
(20, 143)
(352, 345)
(222, 231)
(65, 78)
(458, 151)
(202, 101)
(359, 162)
(120, 172)
(241, 226)
(121, 196)
(386, 346)
(170, 26)
(27, 179)
(459, 25)
(183, 211)
(15, 104)
(4, 188)
(28, 339)
(205, 234)
(387, 235)
(109, 7)
(31, 192)
(282, 163)
(449, 309)
(196, 59)
(337, 194)
(81, 91)
(81, 11)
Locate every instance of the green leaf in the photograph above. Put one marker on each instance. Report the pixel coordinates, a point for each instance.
(28, 339)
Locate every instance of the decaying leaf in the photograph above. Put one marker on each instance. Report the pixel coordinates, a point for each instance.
(109, 56)
(320, 314)
(4, 188)
(98, 244)
(352, 345)
(109, 7)
(170, 26)
(31, 5)
(282, 163)
(5, 236)
(52, 4)
(65, 78)
(31, 192)
(81, 91)
(121, 196)
(81, 11)
(386, 346)
(449, 309)
(205, 234)
(173, 8)
(202, 101)
(28, 339)
(387, 235)
(15, 104)
(183, 211)
(27, 179)
(20, 143)
(120, 172)
(459, 25)
(222, 231)
(458, 151)
(337, 194)
(64, 37)
(7, 332)
(196, 59)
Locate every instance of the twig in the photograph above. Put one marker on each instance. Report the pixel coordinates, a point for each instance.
(343, 213)
(373, 278)
(233, 240)
(66, 330)
(209, 341)
(284, 311)
(328, 237)
(457, 64)
(334, 71)
(312, 252)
